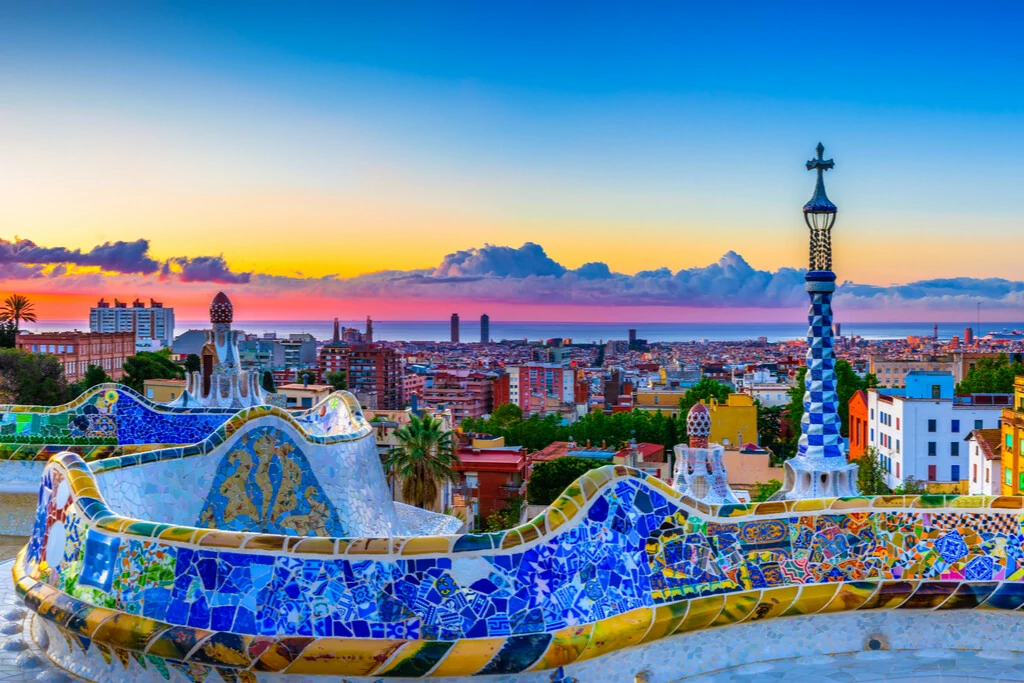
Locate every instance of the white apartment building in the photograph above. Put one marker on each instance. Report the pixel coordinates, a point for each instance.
(152, 322)
(984, 448)
(920, 430)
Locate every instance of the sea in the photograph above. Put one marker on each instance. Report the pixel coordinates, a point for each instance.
(579, 332)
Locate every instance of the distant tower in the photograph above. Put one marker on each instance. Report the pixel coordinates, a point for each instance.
(368, 337)
(968, 336)
(455, 328)
(820, 469)
(935, 332)
(632, 338)
(485, 329)
(337, 332)
(839, 329)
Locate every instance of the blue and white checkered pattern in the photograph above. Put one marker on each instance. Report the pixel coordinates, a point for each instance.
(819, 438)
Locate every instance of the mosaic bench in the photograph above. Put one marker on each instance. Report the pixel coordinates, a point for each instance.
(620, 559)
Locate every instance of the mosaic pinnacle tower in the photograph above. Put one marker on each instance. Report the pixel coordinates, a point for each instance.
(820, 468)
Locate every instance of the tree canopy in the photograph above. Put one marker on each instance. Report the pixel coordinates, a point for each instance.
(193, 363)
(337, 380)
(550, 477)
(991, 375)
(32, 379)
(17, 309)
(149, 365)
(94, 376)
(425, 457)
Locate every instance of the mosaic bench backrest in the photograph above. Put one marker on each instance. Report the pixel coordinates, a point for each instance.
(267, 477)
(106, 415)
(618, 560)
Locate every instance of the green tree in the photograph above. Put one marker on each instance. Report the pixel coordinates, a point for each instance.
(309, 374)
(425, 457)
(337, 380)
(192, 363)
(550, 477)
(506, 414)
(8, 334)
(268, 382)
(94, 376)
(765, 490)
(910, 486)
(507, 517)
(18, 309)
(704, 390)
(871, 475)
(32, 379)
(769, 427)
(991, 375)
(149, 365)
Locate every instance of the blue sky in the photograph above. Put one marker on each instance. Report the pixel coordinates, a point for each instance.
(642, 136)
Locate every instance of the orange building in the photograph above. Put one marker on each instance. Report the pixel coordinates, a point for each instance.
(858, 406)
(78, 350)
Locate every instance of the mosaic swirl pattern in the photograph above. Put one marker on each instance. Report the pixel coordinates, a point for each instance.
(620, 559)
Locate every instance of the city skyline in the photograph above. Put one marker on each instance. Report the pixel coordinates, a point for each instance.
(295, 158)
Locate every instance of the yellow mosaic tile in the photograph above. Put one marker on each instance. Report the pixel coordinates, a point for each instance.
(343, 656)
(222, 539)
(667, 619)
(773, 602)
(809, 505)
(851, 596)
(129, 631)
(369, 546)
(701, 613)
(565, 647)
(467, 657)
(273, 542)
(615, 633)
(423, 545)
(888, 502)
(813, 597)
(775, 507)
(511, 539)
(737, 608)
(890, 594)
(856, 503)
(314, 546)
(554, 519)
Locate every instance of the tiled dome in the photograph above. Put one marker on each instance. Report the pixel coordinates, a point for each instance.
(221, 310)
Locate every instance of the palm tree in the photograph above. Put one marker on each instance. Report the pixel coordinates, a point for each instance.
(424, 458)
(18, 308)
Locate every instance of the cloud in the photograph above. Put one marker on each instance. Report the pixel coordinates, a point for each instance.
(23, 259)
(116, 257)
(204, 269)
(502, 274)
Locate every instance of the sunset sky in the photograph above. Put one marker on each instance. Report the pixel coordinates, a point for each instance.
(289, 153)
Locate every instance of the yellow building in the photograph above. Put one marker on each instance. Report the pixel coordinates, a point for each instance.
(665, 400)
(163, 390)
(735, 421)
(1013, 442)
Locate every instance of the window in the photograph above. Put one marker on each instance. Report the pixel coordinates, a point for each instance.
(933, 425)
(897, 445)
(931, 473)
(1007, 479)
(936, 391)
(932, 448)
(897, 470)
(987, 473)
(872, 410)
(873, 435)
(954, 473)
(1021, 482)
(954, 448)
(979, 424)
(955, 427)
(974, 474)
(897, 423)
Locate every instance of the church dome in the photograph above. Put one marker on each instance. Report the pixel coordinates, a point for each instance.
(221, 310)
